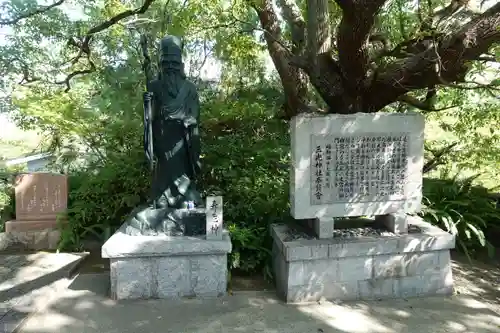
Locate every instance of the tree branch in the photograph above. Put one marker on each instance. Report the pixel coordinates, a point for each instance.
(24, 67)
(293, 16)
(450, 53)
(229, 24)
(488, 58)
(429, 27)
(437, 159)
(267, 28)
(70, 76)
(319, 36)
(115, 19)
(447, 12)
(476, 85)
(39, 10)
(83, 43)
(293, 79)
(422, 105)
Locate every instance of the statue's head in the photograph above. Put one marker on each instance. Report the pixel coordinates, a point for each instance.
(170, 50)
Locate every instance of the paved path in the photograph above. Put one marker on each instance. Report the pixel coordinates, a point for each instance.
(36, 286)
(28, 281)
(83, 307)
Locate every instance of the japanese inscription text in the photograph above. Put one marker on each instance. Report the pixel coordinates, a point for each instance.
(367, 168)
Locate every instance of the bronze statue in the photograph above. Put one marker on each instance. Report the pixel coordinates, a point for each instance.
(172, 147)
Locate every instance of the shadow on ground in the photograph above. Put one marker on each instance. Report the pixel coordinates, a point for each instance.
(24, 273)
(478, 279)
(27, 281)
(84, 307)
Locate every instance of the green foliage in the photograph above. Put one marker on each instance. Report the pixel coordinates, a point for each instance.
(7, 195)
(474, 126)
(6, 203)
(102, 196)
(246, 158)
(467, 211)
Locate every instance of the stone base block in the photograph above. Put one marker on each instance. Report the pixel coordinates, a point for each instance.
(395, 222)
(323, 227)
(30, 235)
(162, 266)
(30, 240)
(363, 268)
(23, 226)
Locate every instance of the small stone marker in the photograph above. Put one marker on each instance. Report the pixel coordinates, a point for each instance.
(214, 218)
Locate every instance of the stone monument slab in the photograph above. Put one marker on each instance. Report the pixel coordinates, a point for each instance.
(360, 165)
(41, 196)
(40, 199)
(356, 165)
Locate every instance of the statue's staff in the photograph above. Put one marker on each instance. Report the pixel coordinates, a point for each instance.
(148, 109)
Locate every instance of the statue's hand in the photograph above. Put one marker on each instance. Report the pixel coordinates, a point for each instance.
(148, 96)
(189, 121)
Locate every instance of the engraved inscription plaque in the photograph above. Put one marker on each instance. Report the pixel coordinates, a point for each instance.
(363, 168)
(40, 196)
(360, 164)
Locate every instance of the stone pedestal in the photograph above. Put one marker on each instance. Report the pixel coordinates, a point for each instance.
(163, 266)
(364, 268)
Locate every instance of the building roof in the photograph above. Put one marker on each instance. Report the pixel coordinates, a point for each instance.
(26, 159)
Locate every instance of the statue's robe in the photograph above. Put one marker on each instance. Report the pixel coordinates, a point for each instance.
(176, 144)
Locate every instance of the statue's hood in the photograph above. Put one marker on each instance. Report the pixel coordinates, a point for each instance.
(170, 49)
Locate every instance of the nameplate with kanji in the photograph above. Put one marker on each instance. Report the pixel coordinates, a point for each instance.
(214, 218)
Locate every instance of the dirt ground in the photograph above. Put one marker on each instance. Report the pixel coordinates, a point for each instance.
(481, 279)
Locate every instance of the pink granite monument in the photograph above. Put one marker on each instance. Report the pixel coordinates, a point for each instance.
(41, 199)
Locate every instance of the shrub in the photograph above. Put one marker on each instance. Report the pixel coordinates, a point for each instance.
(6, 203)
(246, 160)
(7, 195)
(101, 197)
(455, 205)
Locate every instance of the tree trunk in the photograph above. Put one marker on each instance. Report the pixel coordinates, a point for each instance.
(319, 38)
(293, 79)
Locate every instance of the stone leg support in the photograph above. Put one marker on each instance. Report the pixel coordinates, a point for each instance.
(395, 222)
(323, 227)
